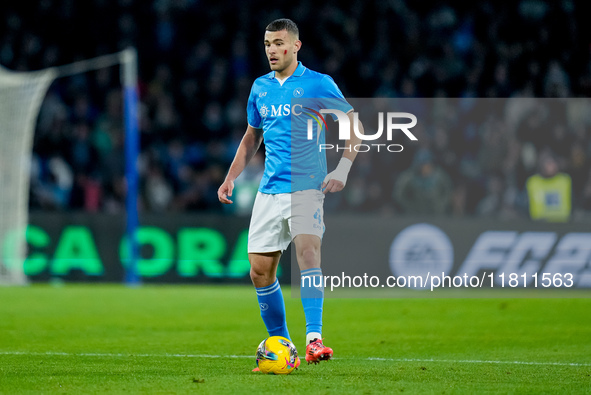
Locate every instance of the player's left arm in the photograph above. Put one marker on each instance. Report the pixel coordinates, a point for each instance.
(336, 180)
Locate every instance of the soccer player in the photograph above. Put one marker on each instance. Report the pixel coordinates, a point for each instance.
(289, 203)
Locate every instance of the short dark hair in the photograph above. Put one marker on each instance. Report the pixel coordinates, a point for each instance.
(284, 24)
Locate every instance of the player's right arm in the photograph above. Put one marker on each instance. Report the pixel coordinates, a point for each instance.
(248, 147)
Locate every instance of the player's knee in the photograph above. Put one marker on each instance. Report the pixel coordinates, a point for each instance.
(259, 276)
(309, 257)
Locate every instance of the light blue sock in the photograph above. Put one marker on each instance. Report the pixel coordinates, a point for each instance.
(273, 309)
(312, 293)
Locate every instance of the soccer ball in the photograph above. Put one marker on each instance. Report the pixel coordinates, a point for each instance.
(276, 355)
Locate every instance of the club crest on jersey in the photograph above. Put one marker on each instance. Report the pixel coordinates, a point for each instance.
(298, 92)
(264, 110)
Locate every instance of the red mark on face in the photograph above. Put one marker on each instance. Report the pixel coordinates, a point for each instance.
(285, 53)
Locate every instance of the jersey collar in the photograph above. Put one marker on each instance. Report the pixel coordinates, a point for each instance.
(297, 72)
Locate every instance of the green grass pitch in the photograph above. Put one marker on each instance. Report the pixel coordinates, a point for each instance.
(202, 339)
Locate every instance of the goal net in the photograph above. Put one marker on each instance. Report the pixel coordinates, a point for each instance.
(21, 94)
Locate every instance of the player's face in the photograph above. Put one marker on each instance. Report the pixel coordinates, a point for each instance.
(280, 48)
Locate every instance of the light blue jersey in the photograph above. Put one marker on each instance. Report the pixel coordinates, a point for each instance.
(293, 162)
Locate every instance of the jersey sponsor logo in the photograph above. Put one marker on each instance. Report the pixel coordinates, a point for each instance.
(282, 110)
(262, 94)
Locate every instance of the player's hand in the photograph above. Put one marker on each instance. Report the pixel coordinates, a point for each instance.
(336, 180)
(225, 190)
(332, 184)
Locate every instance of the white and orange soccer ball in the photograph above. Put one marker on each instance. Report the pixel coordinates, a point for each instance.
(277, 355)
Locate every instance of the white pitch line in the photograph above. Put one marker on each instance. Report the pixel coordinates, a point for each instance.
(480, 361)
(87, 354)
(468, 361)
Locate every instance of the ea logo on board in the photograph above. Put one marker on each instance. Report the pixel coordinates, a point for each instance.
(421, 250)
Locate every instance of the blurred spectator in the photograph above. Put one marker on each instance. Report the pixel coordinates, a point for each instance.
(549, 192)
(425, 188)
(586, 196)
(492, 203)
(84, 159)
(52, 183)
(157, 192)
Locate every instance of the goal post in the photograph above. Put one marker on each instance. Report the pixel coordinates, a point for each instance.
(131, 115)
(21, 95)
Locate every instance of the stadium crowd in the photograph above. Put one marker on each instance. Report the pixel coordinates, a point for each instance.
(198, 60)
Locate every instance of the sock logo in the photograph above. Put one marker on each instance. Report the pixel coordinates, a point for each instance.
(263, 306)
